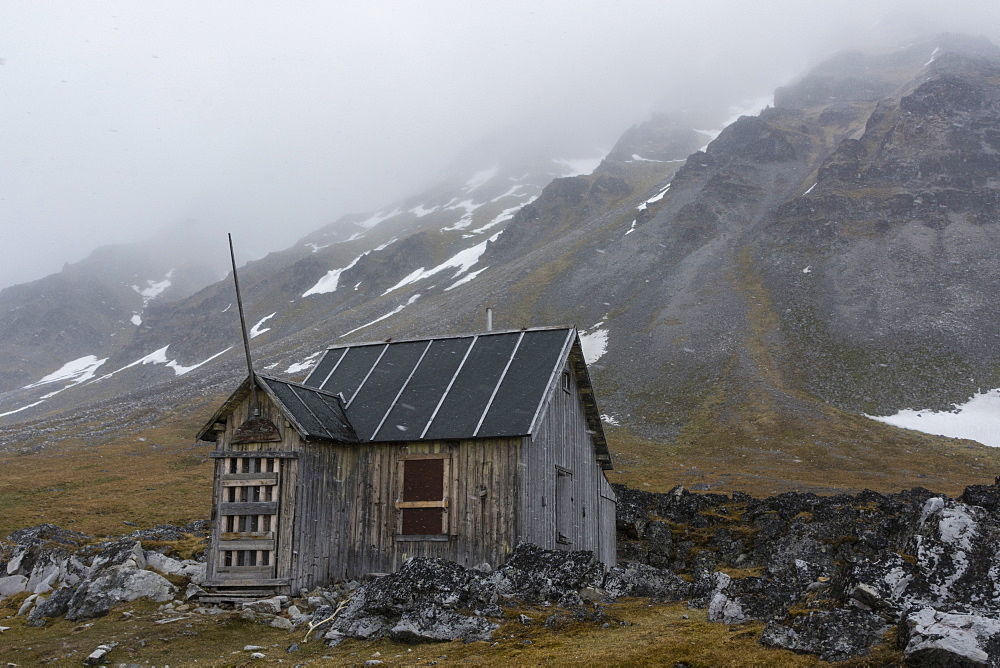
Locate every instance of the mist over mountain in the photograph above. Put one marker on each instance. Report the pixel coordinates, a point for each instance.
(746, 292)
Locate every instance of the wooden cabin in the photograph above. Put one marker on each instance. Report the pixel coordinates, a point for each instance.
(456, 447)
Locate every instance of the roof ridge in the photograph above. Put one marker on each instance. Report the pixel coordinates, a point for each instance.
(517, 330)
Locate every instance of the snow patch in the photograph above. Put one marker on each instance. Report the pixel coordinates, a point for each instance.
(594, 343)
(153, 289)
(462, 261)
(256, 331)
(510, 193)
(503, 216)
(420, 211)
(315, 247)
(76, 371)
(387, 315)
(136, 319)
(607, 419)
(377, 218)
(331, 279)
(466, 218)
(465, 279)
(655, 198)
(978, 419)
(934, 54)
(307, 363)
(807, 270)
(810, 189)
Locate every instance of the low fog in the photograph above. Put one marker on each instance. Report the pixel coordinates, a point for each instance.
(120, 119)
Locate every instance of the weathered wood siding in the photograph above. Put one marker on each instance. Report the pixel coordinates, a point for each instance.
(338, 517)
(353, 525)
(562, 441)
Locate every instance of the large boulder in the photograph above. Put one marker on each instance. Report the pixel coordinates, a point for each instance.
(117, 574)
(934, 638)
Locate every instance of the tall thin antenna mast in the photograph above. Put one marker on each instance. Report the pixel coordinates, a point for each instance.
(243, 320)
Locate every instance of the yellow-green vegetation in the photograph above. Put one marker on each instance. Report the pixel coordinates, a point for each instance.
(653, 635)
(145, 476)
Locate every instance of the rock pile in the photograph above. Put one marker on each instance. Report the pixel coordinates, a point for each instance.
(832, 576)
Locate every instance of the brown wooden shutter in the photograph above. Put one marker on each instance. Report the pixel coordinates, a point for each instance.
(424, 503)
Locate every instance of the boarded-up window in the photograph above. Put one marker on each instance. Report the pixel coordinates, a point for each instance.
(424, 504)
(248, 515)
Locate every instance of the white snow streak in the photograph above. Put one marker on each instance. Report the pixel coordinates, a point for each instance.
(77, 371)
(331, 279)
(256, 331)
(503, 216)
(462, 261)
(387, 315)
(978, 419)
(609, 420)
(810, 189)
(22, 408)
(934, 54)
(160, 357)
(377, 218)
(465, 279)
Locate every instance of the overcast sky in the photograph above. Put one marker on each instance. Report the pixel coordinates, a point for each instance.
(270, 119)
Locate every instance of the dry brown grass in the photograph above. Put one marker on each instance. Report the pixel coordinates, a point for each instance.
(655, 635)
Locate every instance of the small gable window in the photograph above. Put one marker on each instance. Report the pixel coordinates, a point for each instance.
(423, 502)
(567, 382)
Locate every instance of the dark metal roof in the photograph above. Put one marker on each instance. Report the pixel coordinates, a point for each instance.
(315, 413)
(483, 385)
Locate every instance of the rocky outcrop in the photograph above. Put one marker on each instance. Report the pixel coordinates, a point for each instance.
(831, 575)
(69, 573)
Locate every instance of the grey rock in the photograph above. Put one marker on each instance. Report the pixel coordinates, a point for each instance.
(948, 639)
(636, 579)
(13, 584)
(835, 635)
(282, 623)
(267, 606)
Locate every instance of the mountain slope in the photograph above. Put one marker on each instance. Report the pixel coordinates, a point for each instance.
(740, 305)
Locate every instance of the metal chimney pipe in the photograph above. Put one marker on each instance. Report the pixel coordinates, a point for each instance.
(489, 319)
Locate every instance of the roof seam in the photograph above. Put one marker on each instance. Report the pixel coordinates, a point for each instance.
(450, 383)
(489, 404)
(401, 390)
(310, 411)
(367, 375)
(335, 367)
